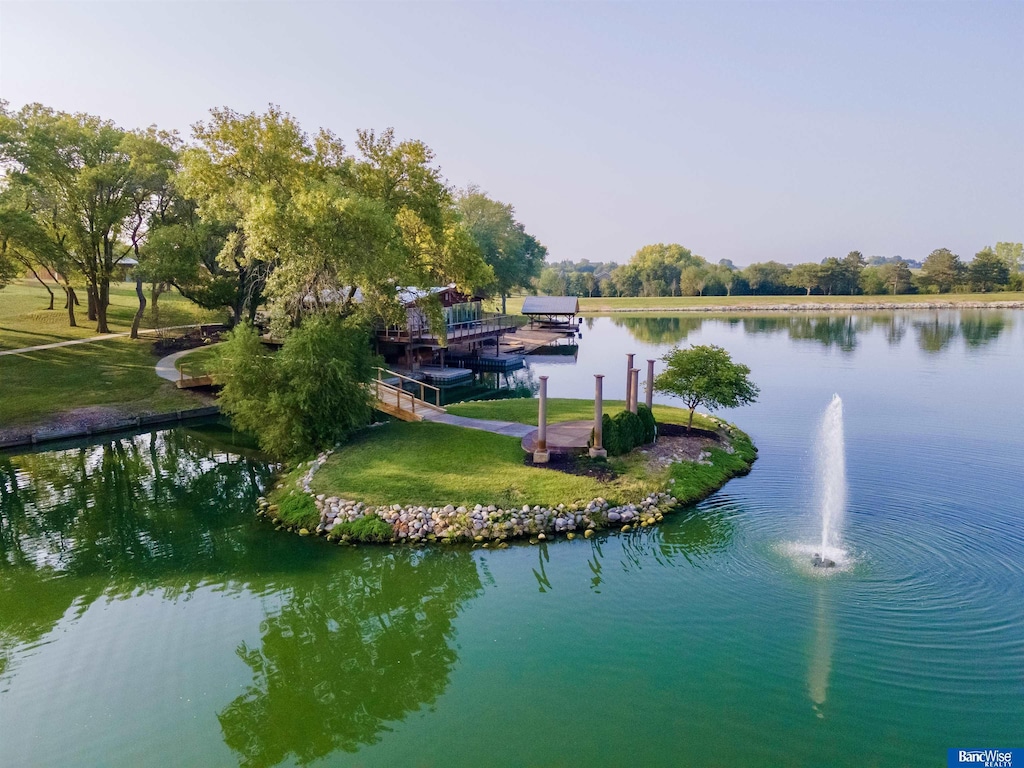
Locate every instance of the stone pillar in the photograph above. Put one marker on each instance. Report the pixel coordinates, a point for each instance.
(634, 379)
(650, 384)
(629, 377)
(540, 453)
(597, 449)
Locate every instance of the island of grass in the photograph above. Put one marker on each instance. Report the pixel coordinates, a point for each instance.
(423, 482)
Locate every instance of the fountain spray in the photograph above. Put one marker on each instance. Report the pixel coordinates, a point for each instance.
(831, 458)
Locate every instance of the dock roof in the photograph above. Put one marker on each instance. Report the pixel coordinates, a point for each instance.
(551, 305)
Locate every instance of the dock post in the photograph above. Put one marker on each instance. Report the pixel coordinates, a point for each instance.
(650, 384)
(597, 449)
(540, 454)
(634, 381)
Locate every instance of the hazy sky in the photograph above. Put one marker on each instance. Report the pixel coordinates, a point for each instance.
(748, 131)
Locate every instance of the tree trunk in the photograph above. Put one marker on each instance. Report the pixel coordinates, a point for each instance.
(689, 424)
(808, 291)
(72, 300)
(90, 295)
(142, 308)
(503, 303)
(37, 277)
(102, 302)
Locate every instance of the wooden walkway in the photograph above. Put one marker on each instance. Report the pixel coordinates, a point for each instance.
(395, 401)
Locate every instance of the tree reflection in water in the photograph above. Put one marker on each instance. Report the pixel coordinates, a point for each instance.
(159, 510)
(695, 535)
(934, 332)
(348, 653)
(659, 330)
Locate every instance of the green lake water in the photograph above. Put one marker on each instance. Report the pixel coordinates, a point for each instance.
(146, 617)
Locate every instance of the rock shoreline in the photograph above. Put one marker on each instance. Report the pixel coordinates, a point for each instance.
(484, 525)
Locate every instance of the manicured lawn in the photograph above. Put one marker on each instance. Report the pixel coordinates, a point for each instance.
(25, 320)
(437, 464)
(524, 410)
(37, 385)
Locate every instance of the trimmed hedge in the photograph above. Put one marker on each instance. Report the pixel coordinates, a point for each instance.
(626, 430)
(649, 424)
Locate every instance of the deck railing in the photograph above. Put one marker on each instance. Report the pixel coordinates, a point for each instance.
(453, 331)
(383, 373)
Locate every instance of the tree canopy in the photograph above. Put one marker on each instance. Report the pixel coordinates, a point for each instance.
(705, 375)
(515, 257)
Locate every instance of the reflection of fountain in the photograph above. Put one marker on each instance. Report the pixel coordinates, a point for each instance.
(832, 483)
(821, 653)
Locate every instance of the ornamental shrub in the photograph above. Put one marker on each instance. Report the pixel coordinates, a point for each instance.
(630, 428)
(611, 437)
(649, 424)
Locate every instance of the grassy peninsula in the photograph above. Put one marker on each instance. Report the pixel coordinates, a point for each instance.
(426, 468)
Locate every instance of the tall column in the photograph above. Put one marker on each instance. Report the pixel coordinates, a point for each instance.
(597, 449)
(650, 384)
(634, 378)
(629, 377)
(540, 453)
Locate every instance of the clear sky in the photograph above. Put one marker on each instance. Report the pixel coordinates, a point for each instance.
(747, 131)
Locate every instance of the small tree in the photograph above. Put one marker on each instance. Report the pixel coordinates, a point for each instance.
(705, 375)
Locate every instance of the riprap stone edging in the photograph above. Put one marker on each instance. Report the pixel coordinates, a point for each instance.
(414, 523)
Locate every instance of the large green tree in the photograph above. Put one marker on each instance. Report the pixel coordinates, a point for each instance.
(806, 276)
(896, 276)
(313, 224)
(942, 271)
(83, 182)
(515, 256)
(987, 271)
(705, 375)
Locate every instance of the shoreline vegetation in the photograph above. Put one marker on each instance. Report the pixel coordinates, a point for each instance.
(419, 483)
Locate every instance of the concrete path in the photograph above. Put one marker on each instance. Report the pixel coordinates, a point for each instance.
(510, 428)
(104, 337)
(165, 367)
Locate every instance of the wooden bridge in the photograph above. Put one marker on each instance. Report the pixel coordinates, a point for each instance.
(399, 402)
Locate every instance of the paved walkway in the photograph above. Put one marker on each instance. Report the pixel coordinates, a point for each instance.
(510, 428)
(103, 337)
(165, 367)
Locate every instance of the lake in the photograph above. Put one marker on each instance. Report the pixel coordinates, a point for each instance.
(147, 618)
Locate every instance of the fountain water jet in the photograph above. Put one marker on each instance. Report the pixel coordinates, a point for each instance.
(831, 459)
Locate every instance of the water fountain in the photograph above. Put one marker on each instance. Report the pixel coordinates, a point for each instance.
(831, 460)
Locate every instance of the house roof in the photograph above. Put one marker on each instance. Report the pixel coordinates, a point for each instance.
(551, 305)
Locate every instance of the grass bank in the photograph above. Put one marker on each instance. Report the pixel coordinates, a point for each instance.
(39, 387)
(601, 305)
(457, 484)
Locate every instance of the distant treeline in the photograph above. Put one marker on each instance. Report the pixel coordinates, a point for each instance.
(672, 270)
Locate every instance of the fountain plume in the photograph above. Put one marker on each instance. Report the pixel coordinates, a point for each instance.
(831, 459)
